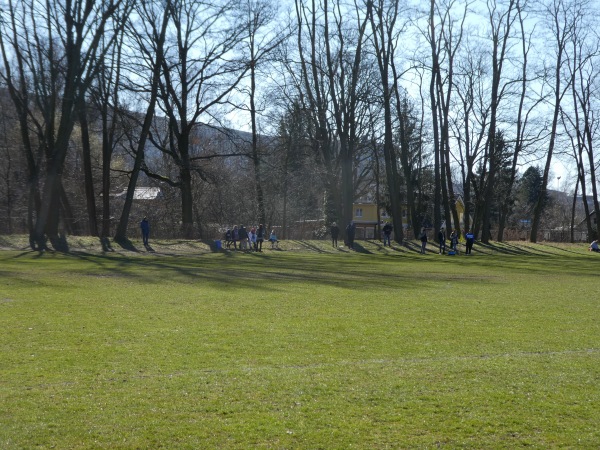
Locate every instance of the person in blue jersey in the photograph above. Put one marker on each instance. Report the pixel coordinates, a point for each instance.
(145, 227)
(470, 237)
(273, 239)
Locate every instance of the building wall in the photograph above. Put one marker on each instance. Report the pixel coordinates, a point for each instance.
(364, 212)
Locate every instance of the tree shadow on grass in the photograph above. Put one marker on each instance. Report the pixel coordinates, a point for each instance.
(380, 247)
(360, 272)
(126, 244)
(308, 245)
(566, 250)
(406, 248)
(511, 249)
(412, 246)
(360, 249)
(536, 250)
(106, 245)
(59, 243)
(203, 271)
(504, 248)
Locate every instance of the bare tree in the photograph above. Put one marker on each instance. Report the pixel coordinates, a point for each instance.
(501, 23)
(315, 98)
(263, 38)
(562, 16)
(147, 41)
(577, 141)
(105, 95)
(579, 116)
(522, 138)
(444, 39)
(344, 50)
(200, 71)
(472, 113)
(61, 44)
(21, 67)
(383, 16)
(12, 166)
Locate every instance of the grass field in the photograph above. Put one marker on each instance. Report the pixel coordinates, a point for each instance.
(304, 348)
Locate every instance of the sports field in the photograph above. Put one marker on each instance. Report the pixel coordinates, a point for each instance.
(302, 348)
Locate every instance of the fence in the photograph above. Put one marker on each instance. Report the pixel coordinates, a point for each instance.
(561, 235)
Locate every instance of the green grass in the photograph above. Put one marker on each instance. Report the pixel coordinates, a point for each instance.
(308, 347)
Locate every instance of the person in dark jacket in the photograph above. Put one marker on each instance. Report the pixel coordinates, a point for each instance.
(387, 233)
(243, 234)
(228, 239)
(145, 227)
(335, 233)
(235, 236)
(423, 238)
(260, 237)
(350, 233)
(442, 241)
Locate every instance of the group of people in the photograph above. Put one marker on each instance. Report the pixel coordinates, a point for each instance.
(249, 239)
(334, 230)
(387, 238)
(253, 238)
(454, 238)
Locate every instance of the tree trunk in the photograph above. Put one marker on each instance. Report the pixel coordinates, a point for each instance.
(87, 169)
(488, 196)
(106, 161)
(573, 211)
(121, 232)
(187, 200)
(260, 202)
(47, 221)
(437, 198)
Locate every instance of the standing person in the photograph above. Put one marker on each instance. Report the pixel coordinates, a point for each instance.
(145, 227)
(442, 240)
(252, 239)
(228, 238)
(243, 237)
(387, 233)
(335, 232)
(273, 239)
(423, 238)
(350, 232)
(470, 237)
(235, 236)
(454, 241)
(260, 236)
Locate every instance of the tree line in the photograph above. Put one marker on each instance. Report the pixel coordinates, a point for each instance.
(243, 111)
